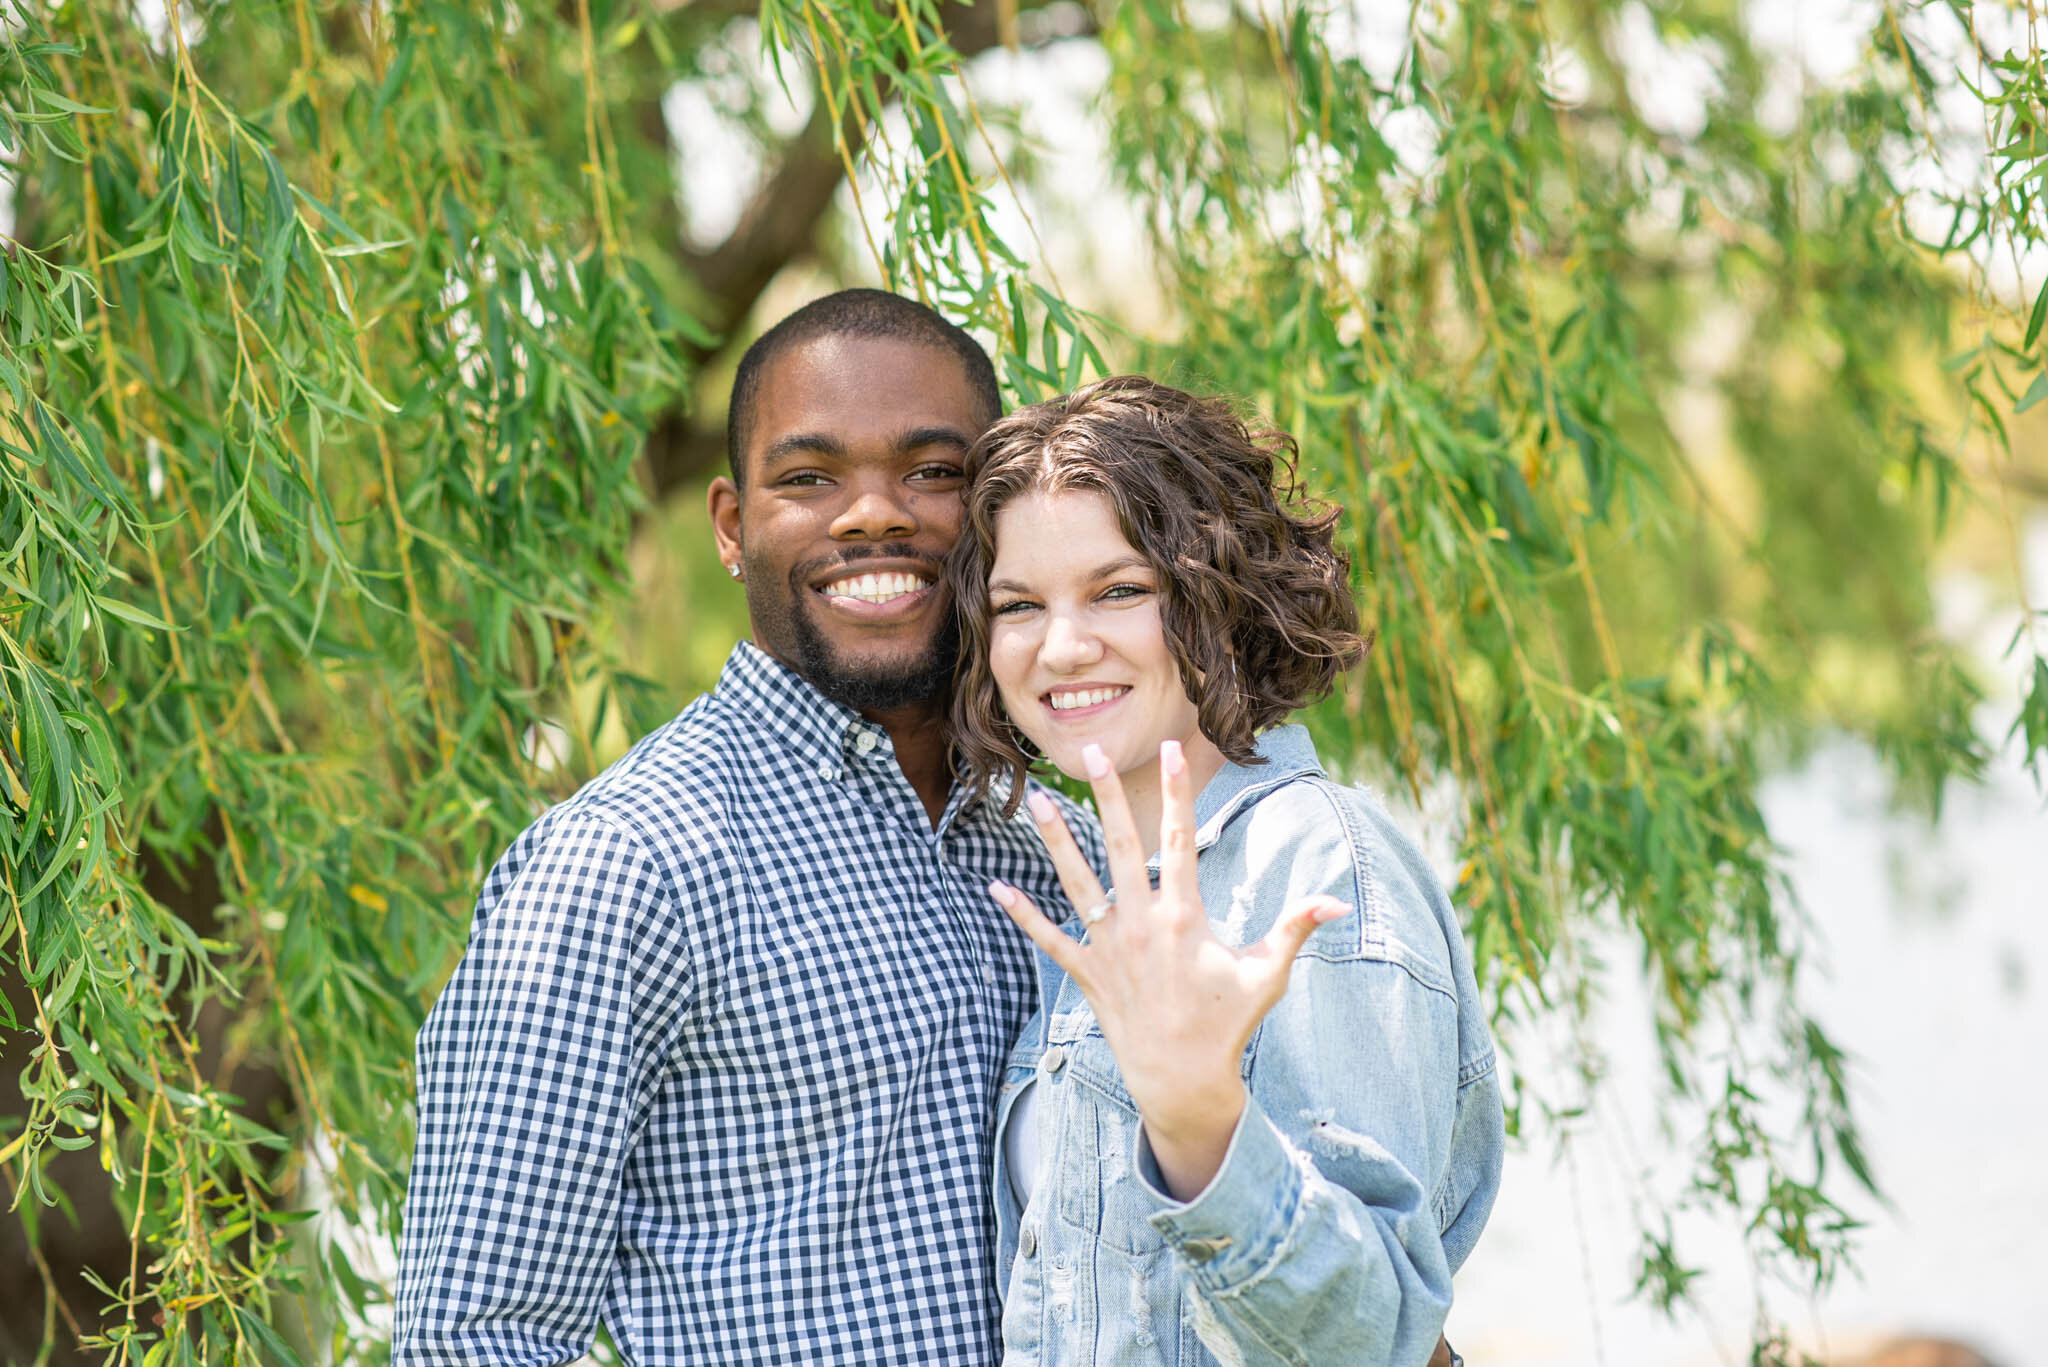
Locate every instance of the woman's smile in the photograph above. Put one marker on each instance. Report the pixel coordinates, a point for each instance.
(1078, 702)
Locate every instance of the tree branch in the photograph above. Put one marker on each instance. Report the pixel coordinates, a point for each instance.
(779, 225)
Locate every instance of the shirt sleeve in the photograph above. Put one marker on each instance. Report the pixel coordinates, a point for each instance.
(535, 1067)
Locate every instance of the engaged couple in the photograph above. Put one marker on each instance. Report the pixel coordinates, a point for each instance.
(816, 1030)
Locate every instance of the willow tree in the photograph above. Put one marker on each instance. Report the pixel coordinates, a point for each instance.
(343, 346)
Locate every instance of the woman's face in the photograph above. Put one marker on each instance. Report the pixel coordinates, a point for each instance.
(1076, 643)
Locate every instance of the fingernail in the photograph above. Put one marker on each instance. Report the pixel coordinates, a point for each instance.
(1041, 807)
(1328, 913)
(1094, 761)
(1002, 892)
(1171, 761)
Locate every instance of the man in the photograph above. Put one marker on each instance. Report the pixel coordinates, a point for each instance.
(718, 1064)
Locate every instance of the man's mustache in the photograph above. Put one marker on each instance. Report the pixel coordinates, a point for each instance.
(809, 570)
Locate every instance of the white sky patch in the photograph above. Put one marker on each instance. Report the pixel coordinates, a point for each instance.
(1374, 34)
(1567, 80)
(545, 746)
(153, 17)
(1670, 85)
(719, 163)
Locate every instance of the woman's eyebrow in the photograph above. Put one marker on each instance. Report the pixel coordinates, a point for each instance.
(1104, 571)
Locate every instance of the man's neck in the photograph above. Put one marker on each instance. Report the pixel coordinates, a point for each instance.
(919, 734)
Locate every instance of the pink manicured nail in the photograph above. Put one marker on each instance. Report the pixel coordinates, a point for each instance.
(1094, 761)
(1170, 759)
(1003, 893)
(1041, 807)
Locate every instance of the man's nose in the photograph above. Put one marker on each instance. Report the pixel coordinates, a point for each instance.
(1068, 644)
(878, 511)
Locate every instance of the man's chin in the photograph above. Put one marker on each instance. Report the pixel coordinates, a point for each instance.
(878, 680)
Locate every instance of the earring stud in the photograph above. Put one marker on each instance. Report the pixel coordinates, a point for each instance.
(733, 570)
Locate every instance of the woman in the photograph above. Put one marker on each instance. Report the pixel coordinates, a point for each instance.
(1255, 1119)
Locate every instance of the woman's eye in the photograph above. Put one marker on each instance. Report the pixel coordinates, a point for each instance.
(1012, 607)
(1121, 592)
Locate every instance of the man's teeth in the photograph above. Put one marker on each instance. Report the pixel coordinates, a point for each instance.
(876, 588)
(1087, 697)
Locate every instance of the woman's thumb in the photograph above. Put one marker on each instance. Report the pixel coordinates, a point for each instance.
(1285, 940)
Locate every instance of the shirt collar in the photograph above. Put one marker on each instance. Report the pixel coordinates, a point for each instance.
(1288, 753)
(789, 707)
(823, 735)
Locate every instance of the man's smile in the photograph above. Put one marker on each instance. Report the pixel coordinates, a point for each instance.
(866, 593)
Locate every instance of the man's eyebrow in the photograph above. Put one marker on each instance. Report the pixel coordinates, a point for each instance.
(1104, 571)
(802, 444)
(936, 435)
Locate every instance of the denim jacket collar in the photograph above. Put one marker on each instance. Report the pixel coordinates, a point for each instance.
(1288, 752)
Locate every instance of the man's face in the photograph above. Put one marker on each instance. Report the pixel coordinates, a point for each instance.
(854, 496)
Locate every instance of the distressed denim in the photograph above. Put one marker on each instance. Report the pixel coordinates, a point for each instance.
(1370, 1148)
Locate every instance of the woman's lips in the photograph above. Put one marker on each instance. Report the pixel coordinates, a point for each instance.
(1093, 709)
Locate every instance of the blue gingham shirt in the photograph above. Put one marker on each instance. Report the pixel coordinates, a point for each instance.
(719, 1064)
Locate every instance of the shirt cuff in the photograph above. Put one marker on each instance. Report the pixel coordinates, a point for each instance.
(1232, 1228)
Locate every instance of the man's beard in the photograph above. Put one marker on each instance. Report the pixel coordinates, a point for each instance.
(881, 687)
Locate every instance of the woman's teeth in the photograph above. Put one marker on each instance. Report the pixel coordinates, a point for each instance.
(875, 588)
(1087, 697)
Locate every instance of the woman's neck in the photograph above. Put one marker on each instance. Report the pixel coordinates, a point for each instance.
(1142, 791)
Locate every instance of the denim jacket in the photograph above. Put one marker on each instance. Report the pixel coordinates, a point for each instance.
(1369, 1151)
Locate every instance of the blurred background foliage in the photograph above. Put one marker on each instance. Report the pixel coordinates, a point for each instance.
(361, 368)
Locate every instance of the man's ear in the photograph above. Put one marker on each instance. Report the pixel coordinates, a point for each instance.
(724, 504)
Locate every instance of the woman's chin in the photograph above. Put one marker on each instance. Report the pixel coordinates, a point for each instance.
(1065, 758)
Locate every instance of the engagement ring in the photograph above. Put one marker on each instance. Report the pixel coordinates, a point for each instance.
(1101, 909)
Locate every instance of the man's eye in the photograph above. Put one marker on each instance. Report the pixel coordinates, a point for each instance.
(936, 472)
(802, 479)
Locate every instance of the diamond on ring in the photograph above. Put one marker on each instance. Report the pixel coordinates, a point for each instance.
(1101, 909)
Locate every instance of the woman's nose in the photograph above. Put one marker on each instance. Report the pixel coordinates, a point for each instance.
(1069, 645)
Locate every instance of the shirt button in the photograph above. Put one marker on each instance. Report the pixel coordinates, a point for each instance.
(1202, 1250)
(826, 771)
(1055, 1059)
(864, 741)
(1027, 1242)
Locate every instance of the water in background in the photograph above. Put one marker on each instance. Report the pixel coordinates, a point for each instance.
(1932, 971)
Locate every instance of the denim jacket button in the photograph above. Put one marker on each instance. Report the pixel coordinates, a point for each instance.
(1027, 1242)
(1202, 1250)
(1055, 1058)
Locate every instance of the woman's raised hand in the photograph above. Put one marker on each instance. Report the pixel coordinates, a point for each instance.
(1177, 1006)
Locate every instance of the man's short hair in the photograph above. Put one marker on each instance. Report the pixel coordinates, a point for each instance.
(852, 313)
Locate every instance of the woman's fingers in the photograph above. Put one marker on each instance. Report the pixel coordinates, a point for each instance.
(1178, 889)
(1019, 907)
(1119, 831)
(1077, 877)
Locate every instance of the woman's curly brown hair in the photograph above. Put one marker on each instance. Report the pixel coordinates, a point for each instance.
(1255, 598)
